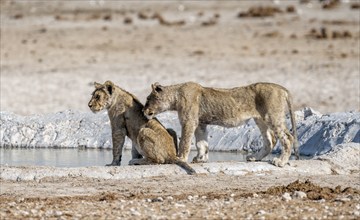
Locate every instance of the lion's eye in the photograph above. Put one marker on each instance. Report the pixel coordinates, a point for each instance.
(97, 97)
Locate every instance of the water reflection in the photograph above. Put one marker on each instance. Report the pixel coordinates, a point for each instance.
(72, 157)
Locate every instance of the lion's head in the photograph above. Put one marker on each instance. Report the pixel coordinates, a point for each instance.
(101, 97)
(157, 101)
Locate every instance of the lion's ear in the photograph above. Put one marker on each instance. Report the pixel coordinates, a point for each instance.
(109, 86)
(98, 85)
(156, 87)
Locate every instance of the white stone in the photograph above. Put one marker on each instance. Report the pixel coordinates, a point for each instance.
(286, 197)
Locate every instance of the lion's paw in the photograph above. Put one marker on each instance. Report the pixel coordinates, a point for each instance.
(134, 162)
(113, 164)
(251, 158)
(201, 159)
(277, 162)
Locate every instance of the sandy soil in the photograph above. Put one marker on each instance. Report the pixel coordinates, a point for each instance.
(51, 52)
(311, 189)
(184, 197)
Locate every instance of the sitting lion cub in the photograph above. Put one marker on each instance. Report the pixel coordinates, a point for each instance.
(149, 137)
(199, 106)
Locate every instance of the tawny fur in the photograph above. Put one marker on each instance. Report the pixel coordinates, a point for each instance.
(149, 137)
(199, 106)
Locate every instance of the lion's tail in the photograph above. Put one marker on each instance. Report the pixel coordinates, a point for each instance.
(293, 124)
(189, 170)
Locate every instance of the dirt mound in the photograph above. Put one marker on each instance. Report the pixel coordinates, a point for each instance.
(313, 192)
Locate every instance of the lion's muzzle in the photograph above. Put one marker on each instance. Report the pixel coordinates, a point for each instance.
(148, 113)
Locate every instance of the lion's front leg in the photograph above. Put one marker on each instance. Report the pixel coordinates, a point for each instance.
(201, 144)
(118, 139)
(187, 133)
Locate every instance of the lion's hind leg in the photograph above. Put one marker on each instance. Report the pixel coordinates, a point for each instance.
(269, 141)
(201, 144)
(286, 140)
(150, 146)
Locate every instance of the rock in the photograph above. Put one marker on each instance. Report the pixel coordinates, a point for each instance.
(318, 134)
(158, 199)
(261, 212)
(286, 197)
(299, 195)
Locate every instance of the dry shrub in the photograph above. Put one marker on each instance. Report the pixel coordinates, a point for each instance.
(355, 6)
(272, 34)
(290, 9)
(143, 16)
(330, 4)
(323, 33)
(18, 16)
(260, 11)
(164, 22)
(128, 20)
(198, 53)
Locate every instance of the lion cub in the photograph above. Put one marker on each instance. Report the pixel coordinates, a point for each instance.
(149, 137)
(199, 106)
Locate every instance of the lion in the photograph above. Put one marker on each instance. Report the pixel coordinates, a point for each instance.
(149, 137)
(199, 106)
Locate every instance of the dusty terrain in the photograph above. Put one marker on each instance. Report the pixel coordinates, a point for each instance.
(307, 189)
(184, 197)
(52, 51)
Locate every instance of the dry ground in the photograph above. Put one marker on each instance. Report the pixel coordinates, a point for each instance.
(52, 51)
(183, 197)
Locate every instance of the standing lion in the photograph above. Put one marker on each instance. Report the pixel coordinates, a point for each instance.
(149, 137)
(199, 106)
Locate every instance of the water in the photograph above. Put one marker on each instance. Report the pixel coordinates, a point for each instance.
(73, 157)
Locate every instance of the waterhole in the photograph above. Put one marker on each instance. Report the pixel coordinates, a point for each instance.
(73, 157)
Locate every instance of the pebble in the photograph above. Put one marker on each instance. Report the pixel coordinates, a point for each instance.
(58, 213)
(286, 197)
(135, 212)
(24, 212)
(299, 195)
(179, 205)
(261, 212)
(12, 204)
(170, 198)
(322, 201)
(343, 199)
(158, 199)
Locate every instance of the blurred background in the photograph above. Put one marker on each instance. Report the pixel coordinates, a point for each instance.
(53, 51)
